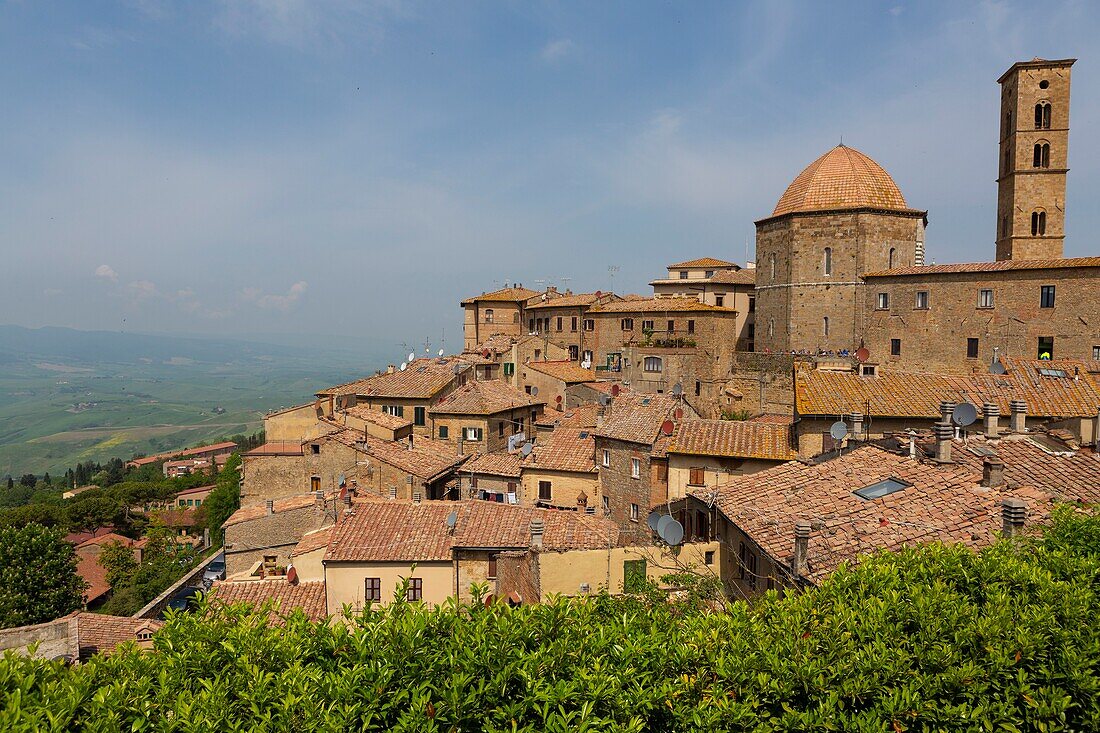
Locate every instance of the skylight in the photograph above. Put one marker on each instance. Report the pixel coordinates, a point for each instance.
(881, 489)
(1060, 373)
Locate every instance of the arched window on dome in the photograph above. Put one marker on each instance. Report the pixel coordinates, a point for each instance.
(827, 261)
(1041, 156)
(893, 258)
(1038, 223)
(1042, 116)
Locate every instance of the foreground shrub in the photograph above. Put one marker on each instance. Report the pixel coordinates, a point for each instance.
(936, 638)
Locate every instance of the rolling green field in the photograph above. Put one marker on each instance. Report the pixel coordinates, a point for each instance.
(60, 406)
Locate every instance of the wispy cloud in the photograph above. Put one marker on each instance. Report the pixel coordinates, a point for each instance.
(106, 272)
(273, 301)
(300, 23)
(142, 290)
(556, 50)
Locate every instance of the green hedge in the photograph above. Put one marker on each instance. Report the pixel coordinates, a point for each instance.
(937, 638)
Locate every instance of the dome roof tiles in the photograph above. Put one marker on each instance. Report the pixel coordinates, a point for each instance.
(842, 178)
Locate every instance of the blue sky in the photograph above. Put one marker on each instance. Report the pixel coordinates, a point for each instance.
(356, 168)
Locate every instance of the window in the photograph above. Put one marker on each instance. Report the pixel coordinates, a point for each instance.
(773, 268)
(546, 491)
(395, 410)
(708, 557)
(1004, 225)
(972, 348)
(416, 589)
(742, 556)
(1096, 353)
(752, 305)
(881, 488)
(606, 459)
(1041, 156)
(1046, 347)
(697, 477)
(314, 483)
(895, 347)
(372, 590)
(710, 274)
(574, 352)
(418, 416)
(647, 325)
(827, 263)
(683, 275)
(517, 426)
(573, 324)
(985, 298)
(671, 327)
(719, 300)
(634, 512)
(315, 449)
(627, 324)
(699, 386)
(1042, 116)
(531, 324)
(586, 357)
(691, 326)
(892, 258)
(500, 429)
(1038, 223)
(509, 368)
(883, 301)
(589, 324)
(473, 434)
(635, 468)
(634, 576)
(444, 433)
(867, 370)
(752, 571)
(652, 363)
(606, 505)
(489, 315)
(825, 325)
(922, 300)
(1046, 296)
(491, 572)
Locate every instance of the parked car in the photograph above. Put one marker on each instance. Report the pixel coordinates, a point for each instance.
(185, 599)
(214, 571)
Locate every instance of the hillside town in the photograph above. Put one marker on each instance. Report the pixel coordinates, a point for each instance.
(760, 424)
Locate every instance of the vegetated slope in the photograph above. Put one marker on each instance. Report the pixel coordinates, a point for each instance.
(68, 396)
(934, 639)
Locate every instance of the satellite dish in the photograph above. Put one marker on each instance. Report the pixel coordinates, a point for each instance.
(456, 368)
(678, 413)
(668, 427)
(604, 399)
(673, 533)
(838, 430)
(412, 356)
(677, 389)
(862, 354)
(652, 520)
(452, 520)
(598, 294)
(964, 414)
(662, 523)
(615, 389)
(404, 366)
(997, 367)
(526, 449)
(440, 352)
(558, 399)
(485, 353)
(534, 391)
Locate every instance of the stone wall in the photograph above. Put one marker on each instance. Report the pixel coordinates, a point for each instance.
(248, 542)
(621, 489)
(56, 639)
(518, 572)
(192, 578)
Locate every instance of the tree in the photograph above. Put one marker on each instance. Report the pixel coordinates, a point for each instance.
(28, 480)
(224, 499)
(40, 580)
(11, 483)
(119, 562)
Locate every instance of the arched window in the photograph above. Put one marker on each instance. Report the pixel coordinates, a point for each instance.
(1041, 156)
(1038, 223)
(827, 263)
(489, 315)
(652, 364)
(893, 258)
(1042, 116)
(771, 327)
(773, 268)
(1008, 162)
(1004, 226)
(825, 325)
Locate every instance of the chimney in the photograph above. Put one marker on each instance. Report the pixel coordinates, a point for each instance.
(416, 497)
(993, 472)
(601, 415)
(801, 546)
(1013, 516)
(537, 528)
(270, 504)
(461, 445)
(390, 369)
(946, 408)
(1018, 420)
(582, 499)
(991, 412)
(410, 445)
(857, 425)
(944, 433)
(393, 492)
(346, 498)
(319, 499)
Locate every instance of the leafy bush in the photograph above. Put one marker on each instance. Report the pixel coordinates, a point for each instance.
(39, 576)
(937, 638)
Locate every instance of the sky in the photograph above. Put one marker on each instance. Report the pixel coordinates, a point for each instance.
(351, 170)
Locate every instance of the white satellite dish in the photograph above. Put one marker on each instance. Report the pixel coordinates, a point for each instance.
(534, 391)
(652, 520)
(677, 389)
(526, 449)
(964, 414)
(404, 366)
(452, 520)
(838, 430)
(440, 352)
(672, 533)
(604, 399)
(412, 355)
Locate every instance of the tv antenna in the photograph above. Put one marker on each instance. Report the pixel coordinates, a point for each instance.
(611, 270)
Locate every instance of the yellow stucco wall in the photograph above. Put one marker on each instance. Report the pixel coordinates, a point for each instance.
(564, 487)
(309, 565)
(344, 582)
(564, 572)
(717, 470)
(294, 424)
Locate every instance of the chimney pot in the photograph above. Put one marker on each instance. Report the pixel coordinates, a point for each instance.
(946, 408)
(1018, 419)
(390, 369)
(270, 504)
(801, 546)
(1013, 516)
(417, 497)
(944, 432)
(857, 425)
(993, 472)
(991, 412)
(537, 529)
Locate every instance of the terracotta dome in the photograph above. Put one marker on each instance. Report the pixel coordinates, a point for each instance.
(843, 178)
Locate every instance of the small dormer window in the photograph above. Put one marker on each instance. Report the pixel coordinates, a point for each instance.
(710, 273)
(867, 370)
(683, 274)
(882, 488)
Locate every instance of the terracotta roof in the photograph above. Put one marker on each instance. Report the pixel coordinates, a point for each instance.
(285, 597)
(377, 417)
(179, 518)
(105, 538)
(577, 300)
(658, 305)
(636, 417)
(99, 633)
(397, 530)
(549, 416)
(291, 503)
(311, 541)
(774, 419)
(223, 446)
(494, 464)
(571, 446)
(567, 371)
(94, 574)
(276, 448)
(509, 295)
(998, 266)
(421, 379)
(703, 262)
(942, 503)
(196, 490)
(484, 397)
(733, 439)
(745, 276)
(914, 394)
(426, 459)
(498, 343)
(843, 178)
